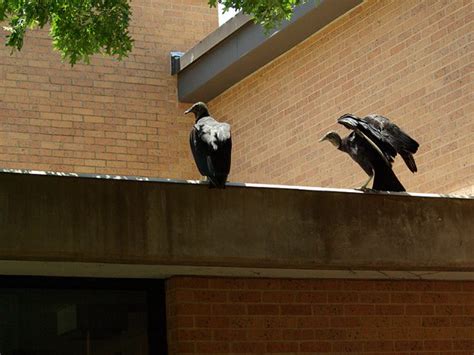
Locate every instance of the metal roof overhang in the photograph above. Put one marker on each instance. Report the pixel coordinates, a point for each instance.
(240, 47)
(56, 224)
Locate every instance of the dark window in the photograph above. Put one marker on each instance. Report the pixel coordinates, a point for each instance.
(63, 316)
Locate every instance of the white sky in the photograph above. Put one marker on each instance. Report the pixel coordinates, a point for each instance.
(224, 17)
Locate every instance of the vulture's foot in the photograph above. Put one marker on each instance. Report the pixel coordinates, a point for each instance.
(364, 187)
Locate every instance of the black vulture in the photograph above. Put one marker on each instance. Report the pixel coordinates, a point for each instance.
(373, 144)
(211, 144)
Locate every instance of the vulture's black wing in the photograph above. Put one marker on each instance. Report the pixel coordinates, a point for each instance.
(211, 144)
(199, 149)
(371, 135)
(399, 140)
(386, 135)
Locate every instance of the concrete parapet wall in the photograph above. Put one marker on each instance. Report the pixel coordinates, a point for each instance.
(99, 220)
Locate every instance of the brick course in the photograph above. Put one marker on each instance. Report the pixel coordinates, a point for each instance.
(286, 316)
(409, 60)
(109, 117)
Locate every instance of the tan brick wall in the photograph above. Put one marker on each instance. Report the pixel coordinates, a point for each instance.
(263, 316)
(109, 117)
(410, 60)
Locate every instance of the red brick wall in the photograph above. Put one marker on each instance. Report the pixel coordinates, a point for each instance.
(410, 60)
(260, 316)
(109, 117)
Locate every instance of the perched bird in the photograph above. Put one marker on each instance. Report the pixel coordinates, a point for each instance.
(373, 144)
(211, 144)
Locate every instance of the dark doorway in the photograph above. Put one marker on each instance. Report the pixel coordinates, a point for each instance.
(77, 316)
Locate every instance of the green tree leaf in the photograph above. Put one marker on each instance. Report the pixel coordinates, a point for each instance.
(79, 28)
(268, 13)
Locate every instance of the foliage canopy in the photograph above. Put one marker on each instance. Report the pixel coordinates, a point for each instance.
(81, 28)
(268, 13)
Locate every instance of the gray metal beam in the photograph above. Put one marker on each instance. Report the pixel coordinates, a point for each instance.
(240, 47)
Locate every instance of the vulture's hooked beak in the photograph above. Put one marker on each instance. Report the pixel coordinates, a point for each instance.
(324, 138)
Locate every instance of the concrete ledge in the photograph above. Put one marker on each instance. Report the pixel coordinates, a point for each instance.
(75, 269)
(52, 217)
(240, 47)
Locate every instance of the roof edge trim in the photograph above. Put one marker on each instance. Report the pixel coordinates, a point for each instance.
(240, 47)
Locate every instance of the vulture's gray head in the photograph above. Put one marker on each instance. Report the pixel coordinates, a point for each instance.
(199, 109)
(333, 137)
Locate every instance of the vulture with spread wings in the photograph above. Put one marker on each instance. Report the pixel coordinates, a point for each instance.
(211, 145)
(374, 143)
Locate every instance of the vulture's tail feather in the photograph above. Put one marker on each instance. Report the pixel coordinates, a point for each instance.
(386, 180)
(409, 161)
(217, 181)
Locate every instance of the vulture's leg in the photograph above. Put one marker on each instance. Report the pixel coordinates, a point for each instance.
(364, 187)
